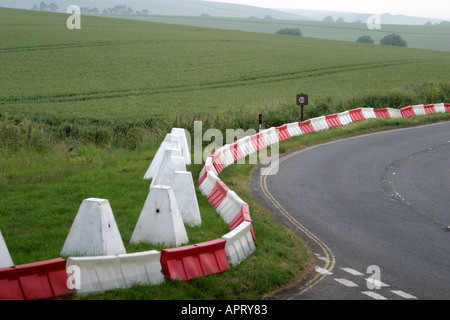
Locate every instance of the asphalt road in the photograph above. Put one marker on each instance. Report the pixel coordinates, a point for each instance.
(374, 209)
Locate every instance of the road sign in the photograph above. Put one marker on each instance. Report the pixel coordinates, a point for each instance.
(302, 99)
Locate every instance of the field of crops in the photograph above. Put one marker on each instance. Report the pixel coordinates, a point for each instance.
(126, 73)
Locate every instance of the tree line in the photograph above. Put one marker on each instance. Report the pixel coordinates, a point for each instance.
(118, 9)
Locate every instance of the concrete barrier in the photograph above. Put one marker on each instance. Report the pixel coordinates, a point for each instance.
(239, 243)
(171, 141)
(39, 280)
(5, 257)
(184, 190)
(160, 221)
(184, 146)
(99, 274)
(199, 260)
(94, 231)
(169, 164)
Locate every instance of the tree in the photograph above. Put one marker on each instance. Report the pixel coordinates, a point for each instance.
(53, 7)
(290, 32)
(340, 19)
(328, 19)
(365, 39)
(393, 40)
(43, 6)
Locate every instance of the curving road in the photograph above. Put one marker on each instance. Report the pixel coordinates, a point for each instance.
(375, 210)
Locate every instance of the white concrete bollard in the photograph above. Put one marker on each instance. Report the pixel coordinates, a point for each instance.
(94, 231)
(160, 221)
(5, 257)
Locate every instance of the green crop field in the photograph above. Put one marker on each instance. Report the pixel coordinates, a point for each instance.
(82, 113)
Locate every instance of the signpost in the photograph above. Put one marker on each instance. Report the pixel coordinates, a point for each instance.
(302, 100)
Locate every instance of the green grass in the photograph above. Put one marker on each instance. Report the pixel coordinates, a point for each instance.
(113, 89)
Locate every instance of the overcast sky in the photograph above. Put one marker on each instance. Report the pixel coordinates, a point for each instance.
(420, 8)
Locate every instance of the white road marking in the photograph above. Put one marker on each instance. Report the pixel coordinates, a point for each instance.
(346, 282)
(374, 295)
(376, 283)
(403, 294)
(323, 271)
(352, 271)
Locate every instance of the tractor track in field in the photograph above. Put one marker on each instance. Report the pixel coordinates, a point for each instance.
(243, 81)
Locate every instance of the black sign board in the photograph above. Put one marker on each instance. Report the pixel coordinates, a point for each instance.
(302, 99)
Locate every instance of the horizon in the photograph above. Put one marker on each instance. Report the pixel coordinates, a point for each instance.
(434, 9)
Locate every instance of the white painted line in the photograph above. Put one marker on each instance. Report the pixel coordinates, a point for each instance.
(352, 271)
(403, 294)
(376, 283)
(374, 295)
(346, 282)
(323, 271)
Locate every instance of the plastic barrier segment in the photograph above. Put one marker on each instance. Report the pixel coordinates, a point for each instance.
(190, 262)
(236, 151)
(407, 112)
(258, 141)
(356, 115)
(217, 161)
(333, 120)
(218, 193)
(283, 133)
(239, 243)
(429, 109)
(40, 280)
(382, 113)
(306, 126)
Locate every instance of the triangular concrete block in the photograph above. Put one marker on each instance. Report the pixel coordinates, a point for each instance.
(169, 164)
(171, 141)
(185, 151)
(5, 257)
(184, 190)
(160, 221)
(94, 231)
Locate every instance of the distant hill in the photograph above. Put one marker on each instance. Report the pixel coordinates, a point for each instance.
(386, 18)
(167, 7)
